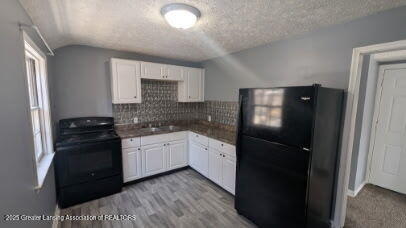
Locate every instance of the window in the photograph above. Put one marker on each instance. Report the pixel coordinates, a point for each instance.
(35, 62)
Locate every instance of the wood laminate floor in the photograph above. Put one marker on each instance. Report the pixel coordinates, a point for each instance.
(181, 199)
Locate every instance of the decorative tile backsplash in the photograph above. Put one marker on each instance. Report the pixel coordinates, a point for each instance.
(159, 104)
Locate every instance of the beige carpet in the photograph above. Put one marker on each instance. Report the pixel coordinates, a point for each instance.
(376, 207)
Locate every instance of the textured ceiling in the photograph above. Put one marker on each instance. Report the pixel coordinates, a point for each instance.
(225, 26)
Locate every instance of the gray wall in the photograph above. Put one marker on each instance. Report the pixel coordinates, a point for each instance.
(81, 79)
(17, 195)
(323, 56)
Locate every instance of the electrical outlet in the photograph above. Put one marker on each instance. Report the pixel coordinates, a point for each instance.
(135, 120)
(209, 118)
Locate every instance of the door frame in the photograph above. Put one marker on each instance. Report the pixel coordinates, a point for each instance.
(386, 52)
(378, 103)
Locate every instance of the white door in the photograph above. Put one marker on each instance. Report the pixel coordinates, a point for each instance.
(152, 70)
(177, 154)
(194, 82)
(215, 166)
(388, 167)
(174, 72)
(199, 158)
(154, 158)
(131, 164)
(193, 155)
(229, 169)
(126, 81)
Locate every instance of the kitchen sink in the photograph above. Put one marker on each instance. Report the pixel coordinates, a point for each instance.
(169, 128)
(150, 129)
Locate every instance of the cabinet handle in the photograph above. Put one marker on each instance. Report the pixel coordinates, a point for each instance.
(224, 156)
(205, 148)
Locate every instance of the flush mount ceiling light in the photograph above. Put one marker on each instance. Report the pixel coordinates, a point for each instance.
(180, 15)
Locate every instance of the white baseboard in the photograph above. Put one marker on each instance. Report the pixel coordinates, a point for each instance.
(355, 193)
(57, 213)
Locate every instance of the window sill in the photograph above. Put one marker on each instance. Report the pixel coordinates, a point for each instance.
(42, 169)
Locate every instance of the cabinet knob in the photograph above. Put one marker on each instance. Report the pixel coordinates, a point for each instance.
(205, 148)
(139, 148)
(222, 144)
(221, 155)
(135, 96)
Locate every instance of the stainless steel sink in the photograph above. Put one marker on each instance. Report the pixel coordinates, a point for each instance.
(169, 128)
(150, 129)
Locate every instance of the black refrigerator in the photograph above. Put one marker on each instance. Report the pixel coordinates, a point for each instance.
(287, 155)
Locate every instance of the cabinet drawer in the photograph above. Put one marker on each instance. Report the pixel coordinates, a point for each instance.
(222, 147)
(198, 138)
(152, 139)
(130, 143)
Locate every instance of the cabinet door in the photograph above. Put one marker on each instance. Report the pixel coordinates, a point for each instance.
(174, 73)
(194, 83)
(177, 154)
(126, 81)
(131, 164)
(154, 159)
(199, 158)
(229, 168)
(215, 166)
(152, 70)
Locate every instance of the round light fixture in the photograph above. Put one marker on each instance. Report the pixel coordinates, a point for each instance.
(180, 15)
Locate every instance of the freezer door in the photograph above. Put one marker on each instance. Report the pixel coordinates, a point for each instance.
(271, 183)
(282, 115)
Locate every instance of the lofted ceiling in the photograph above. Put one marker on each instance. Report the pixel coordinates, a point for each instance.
(225, 26)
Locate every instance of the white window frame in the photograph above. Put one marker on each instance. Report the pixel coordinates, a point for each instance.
(43, 162)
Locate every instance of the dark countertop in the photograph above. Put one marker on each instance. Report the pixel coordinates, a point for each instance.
(214, 131)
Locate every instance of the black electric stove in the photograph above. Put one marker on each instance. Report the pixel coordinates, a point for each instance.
(88, 162)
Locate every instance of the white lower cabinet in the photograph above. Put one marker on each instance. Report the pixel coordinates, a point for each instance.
(229, 170)
(131, 164)
(154, 159)
(222, 169)
(215, 166)
(156, 154)
(199, 158)
(176, 154)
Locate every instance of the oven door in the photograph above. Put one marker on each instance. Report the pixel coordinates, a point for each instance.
(86, 162)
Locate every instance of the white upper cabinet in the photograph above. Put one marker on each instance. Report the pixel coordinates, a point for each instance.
(174, 73)
(125, 81)
(160, 71)
(191, 89)
(152, 70)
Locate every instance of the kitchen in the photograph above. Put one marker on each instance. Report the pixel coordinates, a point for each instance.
(215, 120)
